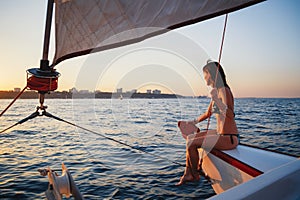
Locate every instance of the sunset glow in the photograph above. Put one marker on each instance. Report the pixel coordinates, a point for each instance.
(260, 55)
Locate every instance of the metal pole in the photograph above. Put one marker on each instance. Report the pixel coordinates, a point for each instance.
(44, 65)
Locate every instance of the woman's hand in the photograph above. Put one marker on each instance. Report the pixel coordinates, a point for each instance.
(195, 121)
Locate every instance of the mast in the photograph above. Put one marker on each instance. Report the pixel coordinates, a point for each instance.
(44, 79)
(44, 62)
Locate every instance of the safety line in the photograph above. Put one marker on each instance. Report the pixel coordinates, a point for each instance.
(223, 38)
(47, 114)
(125, 144)
(11, 103)
(33, 115)
(219, 61)
(109, 138)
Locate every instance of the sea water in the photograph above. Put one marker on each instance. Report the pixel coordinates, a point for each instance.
(106, 169)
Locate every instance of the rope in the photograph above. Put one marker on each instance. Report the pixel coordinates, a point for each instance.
(36, 83)
(217, 72)
(42, 84)
(11, 103)
(219, 61)
(33, 115)
(130, 146)
(223, 38)
(47, 114)
(109, 138)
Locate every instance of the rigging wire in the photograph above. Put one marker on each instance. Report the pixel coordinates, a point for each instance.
(47, 114)
(53, 85)
(41, 84)
(219, 61)
(110, 138)
(13, 101)
(33, 115)
(217, 72)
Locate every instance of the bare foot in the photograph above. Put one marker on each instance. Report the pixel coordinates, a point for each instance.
(186, 178)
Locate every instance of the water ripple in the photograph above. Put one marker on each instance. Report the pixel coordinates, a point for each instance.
(106, 170)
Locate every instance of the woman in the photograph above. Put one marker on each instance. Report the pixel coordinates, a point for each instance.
(226, 135)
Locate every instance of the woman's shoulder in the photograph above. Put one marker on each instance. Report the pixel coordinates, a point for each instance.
(224, 90)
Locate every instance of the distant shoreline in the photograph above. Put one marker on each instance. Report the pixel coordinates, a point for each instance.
(110, 95)
(90, 95)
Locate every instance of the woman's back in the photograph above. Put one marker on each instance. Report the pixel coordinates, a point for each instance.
(225, 119)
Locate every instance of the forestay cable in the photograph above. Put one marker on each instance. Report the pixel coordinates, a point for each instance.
(219, 61)
(109, 138)
(125, 144)
(13, 101)
(47, 114)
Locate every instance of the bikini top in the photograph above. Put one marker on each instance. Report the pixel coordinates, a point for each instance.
(215, 109)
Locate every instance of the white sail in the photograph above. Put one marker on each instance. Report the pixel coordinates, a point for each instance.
(85, 26)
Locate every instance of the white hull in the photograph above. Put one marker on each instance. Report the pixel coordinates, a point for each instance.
(280, 183)
(228, 169)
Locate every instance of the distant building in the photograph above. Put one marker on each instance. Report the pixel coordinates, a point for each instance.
(156, 91)
(134, 91)
(149, 91)
(17, 89)
(73, 90)
(119, 90)
(84, 91)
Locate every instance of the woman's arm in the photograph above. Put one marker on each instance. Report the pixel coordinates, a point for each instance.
(220, 100)
(205, 115)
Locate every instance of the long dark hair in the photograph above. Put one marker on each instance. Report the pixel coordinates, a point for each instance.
(214, 68)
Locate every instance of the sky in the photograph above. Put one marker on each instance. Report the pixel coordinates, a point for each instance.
(260, 55)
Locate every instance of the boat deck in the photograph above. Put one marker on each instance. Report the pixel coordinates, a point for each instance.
(230, 168)
(261, 159)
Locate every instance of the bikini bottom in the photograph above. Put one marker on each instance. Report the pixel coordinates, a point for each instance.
(231, 136)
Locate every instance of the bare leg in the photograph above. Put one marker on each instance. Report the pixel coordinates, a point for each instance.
(206, 141)
(192, 145)
(193, 158)
(188, 175)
